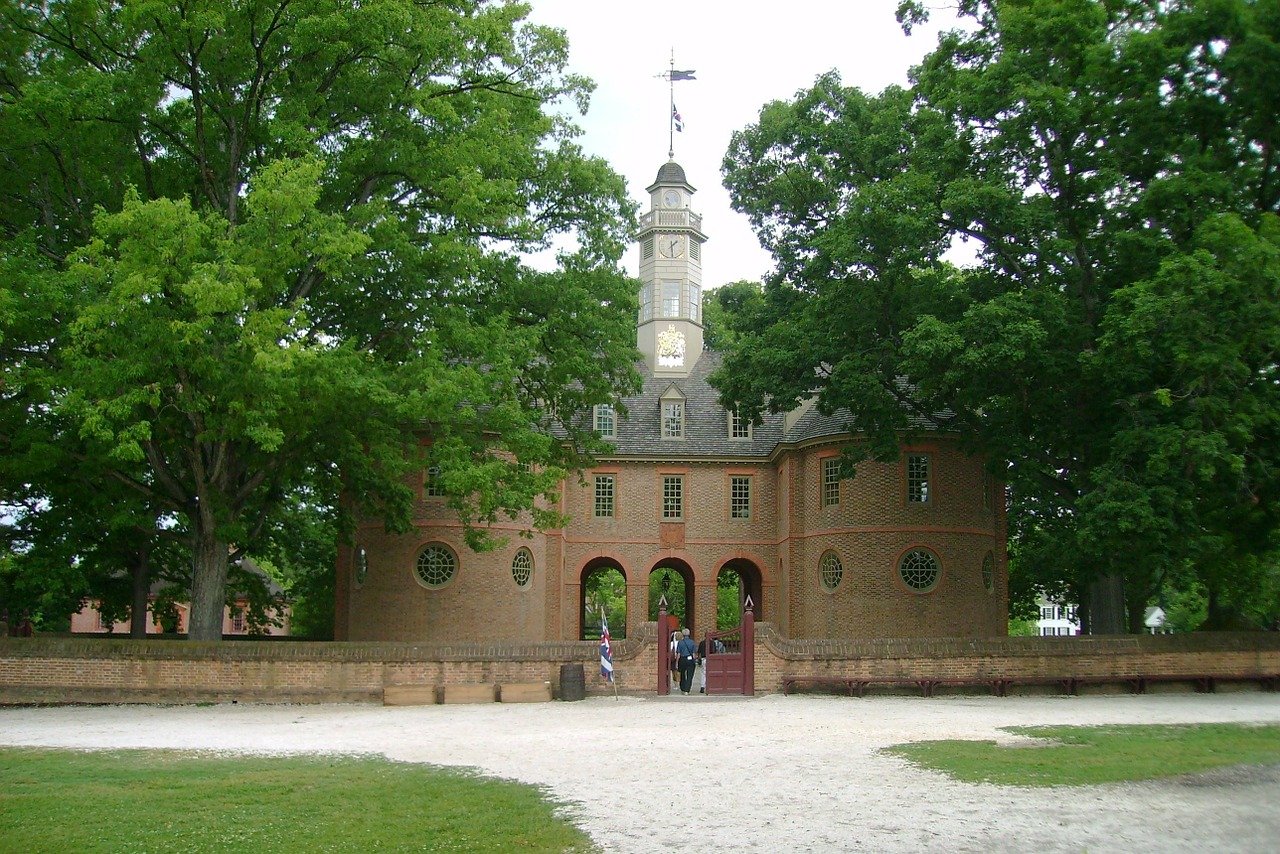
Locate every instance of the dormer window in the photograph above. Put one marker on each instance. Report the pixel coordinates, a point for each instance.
(673, 419)
(739, 427)
(605, 420)
(672, 412)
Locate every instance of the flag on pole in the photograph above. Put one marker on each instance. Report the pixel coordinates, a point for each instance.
(606, 650)
(674, 75)
(675, 117)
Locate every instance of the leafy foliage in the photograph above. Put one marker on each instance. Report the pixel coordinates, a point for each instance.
(259, 250)
(1112, 348)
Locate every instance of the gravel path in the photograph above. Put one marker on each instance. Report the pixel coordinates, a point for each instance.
(768, 774)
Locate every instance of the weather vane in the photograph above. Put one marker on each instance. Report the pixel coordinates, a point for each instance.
(676, 123)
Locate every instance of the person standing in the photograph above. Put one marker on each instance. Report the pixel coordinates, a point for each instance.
(687, 654)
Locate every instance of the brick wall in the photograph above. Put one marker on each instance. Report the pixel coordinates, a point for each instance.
(91, 670)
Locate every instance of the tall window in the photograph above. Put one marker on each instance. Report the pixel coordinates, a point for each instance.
(918, 478)
(646, 302)
(672, 497)
(739, 427)
(740, 498)
(605, 420)
(830, 481)
(433, 487)
(693, 298)
(604, 496)
(670, 299)
(673, 419)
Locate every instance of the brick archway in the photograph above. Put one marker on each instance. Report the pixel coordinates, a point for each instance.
(588, 608)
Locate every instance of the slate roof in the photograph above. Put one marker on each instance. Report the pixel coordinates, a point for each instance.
(706, 422)
(671, 172)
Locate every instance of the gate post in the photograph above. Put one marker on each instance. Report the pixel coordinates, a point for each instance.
(664, 650)
(749, 649)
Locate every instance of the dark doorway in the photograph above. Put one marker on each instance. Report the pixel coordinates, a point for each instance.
(604, 589)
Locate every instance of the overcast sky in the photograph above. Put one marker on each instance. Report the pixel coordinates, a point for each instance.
(745, 55)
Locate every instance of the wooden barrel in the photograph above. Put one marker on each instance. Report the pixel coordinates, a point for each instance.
(572, 683)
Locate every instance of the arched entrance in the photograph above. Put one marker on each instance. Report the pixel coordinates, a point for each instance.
(738, 581)
(603, 587)
(672, 580)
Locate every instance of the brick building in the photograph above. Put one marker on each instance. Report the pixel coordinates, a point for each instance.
(908, 549)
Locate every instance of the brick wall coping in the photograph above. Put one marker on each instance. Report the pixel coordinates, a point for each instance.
(80, 647)
(1078, 646)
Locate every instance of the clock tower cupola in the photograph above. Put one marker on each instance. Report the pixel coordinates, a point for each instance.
(669, 333)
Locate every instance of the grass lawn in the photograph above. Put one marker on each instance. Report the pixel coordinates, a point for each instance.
(1080, 756)
(160, 801)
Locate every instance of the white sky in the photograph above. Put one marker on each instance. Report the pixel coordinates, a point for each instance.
(745, 55)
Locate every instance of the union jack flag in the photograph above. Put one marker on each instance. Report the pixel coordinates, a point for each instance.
(606, 650)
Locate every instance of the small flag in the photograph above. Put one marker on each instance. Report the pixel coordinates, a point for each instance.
(606, 651)
(675, 117)
(674, 75)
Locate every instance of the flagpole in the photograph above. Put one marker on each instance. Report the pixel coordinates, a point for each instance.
(671, 111)
(613, 674)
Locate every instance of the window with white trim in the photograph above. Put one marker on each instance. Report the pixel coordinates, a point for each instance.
(433, 488)
(830, 571)
(646, 302)
(435, 566)
(739, 427)
(522, 568)
(670, 298)
(919, 570)
(673, 419)
(604, 496)
(830, 481)
(693, 299)
(740, 497)
(605, 420)
(918, 478)
(672, 496)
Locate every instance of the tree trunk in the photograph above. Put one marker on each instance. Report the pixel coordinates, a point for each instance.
(1137, 609)
(141, 594)
(208, 588)
(1106, 605)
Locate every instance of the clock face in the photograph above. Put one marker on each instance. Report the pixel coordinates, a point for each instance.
(671, 198)
(671, 246)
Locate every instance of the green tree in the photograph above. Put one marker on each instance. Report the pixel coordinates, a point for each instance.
(1109, 163)
(723, 307)
(253, 248)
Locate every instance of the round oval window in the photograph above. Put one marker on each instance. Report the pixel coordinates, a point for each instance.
(919, 570)
(436, 566)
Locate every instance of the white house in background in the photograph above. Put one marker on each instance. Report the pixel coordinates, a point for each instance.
(1056, 618)
(1059, 619)
(1154, 621)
